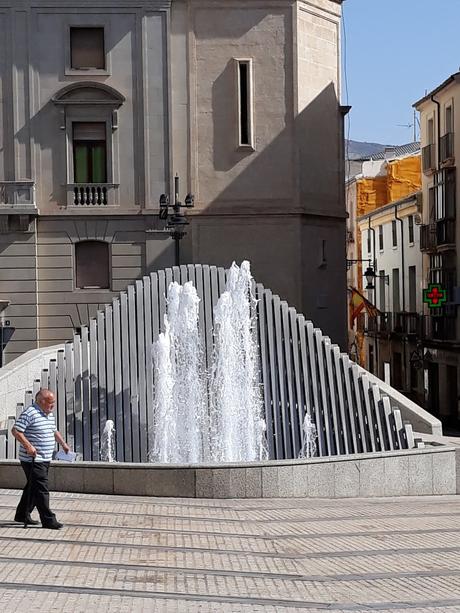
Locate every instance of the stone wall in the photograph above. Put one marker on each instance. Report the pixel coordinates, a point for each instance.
(421, 472)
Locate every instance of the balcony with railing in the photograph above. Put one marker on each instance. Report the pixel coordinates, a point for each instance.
(380, 325)
(406, 323)
(91, 194)
(438, 234)
(429, 159)
(447, 148)
(17, 197)
(439, 328)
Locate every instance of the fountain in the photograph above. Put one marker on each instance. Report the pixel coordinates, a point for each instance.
(238, 428)
(308, 439)
(179, 407)
(214, 415)
(108, 442)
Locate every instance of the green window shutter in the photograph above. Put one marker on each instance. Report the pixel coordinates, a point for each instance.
(98, 163)
(80, 156)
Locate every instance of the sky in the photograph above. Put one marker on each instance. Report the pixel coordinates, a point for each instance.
(393, 52)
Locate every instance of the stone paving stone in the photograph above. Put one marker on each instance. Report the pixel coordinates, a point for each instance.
(149, 554)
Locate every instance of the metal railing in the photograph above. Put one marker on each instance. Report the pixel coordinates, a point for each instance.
(439, 328)
(428, 158)
(406, 323)
(436, 234)
(385, 324)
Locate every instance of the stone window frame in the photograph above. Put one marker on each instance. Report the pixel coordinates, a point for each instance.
(102, 110)
(250, 145)
(84, 22)
(76, 287)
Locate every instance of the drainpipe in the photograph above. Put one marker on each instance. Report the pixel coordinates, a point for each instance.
(376, 344)
(403, 272)
(438, 123)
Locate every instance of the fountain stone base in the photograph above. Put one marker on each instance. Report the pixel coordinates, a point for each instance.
(427, 471)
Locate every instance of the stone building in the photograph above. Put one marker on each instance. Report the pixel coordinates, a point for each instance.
(102, 104)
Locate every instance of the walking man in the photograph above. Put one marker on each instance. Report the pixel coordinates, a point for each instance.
(35, 429)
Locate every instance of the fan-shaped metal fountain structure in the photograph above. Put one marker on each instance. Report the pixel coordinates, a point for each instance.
(106, 373)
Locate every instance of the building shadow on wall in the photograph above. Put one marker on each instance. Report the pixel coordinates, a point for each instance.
(284, 209)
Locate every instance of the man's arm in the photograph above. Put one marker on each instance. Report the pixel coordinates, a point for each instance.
(19, 436)
(61, 441)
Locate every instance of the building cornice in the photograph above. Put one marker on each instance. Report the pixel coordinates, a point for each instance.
(81, 5)
(454, 77)
(382, 210)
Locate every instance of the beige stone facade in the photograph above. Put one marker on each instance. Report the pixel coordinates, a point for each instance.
(166, 100)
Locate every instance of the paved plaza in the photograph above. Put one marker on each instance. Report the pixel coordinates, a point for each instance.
(147, 554)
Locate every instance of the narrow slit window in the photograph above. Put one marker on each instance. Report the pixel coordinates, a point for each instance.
(245, 103)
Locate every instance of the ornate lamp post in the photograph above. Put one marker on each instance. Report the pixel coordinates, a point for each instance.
(176, 221)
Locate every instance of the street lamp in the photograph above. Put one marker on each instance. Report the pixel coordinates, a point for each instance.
(369, 273)
(176, 221)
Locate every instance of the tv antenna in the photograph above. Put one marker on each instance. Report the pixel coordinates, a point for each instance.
(414, 124)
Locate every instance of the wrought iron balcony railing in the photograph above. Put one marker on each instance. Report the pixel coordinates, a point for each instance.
(439, 328)
(428, 158)
(437, 234)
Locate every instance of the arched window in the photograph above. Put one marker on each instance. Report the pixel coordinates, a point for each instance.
(92, 268)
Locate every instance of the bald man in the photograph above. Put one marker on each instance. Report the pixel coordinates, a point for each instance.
(35, 430)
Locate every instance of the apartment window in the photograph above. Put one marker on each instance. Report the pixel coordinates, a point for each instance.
(92, 270)
(87, 49)
(445, 197)
(410, 221)
(381, 238)
(449, 119)
(396, 295)
(394, 233)
(245, 103)
(430, 131)
(90, 152)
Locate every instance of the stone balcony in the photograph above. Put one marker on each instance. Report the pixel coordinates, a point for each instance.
(83, 195)
(18, 206)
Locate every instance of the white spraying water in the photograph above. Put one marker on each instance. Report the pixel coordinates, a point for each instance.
(309, 438)
(238, 428)
(180, 404)
(217, 416)
(107, 452)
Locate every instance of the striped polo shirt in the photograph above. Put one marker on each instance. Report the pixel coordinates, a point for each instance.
(39, 429)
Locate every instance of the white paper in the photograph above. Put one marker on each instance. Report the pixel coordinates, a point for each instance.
(65, 457)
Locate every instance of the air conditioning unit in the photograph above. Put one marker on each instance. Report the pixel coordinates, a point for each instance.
(418, 219)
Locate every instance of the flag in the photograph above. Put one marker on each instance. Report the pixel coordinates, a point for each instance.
(358, 303)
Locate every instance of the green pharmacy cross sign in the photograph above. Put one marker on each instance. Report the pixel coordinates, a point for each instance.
(435, 296)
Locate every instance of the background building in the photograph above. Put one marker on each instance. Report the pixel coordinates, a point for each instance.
(378, 184)
(102, 105)
(391, 241)
(440, 137)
